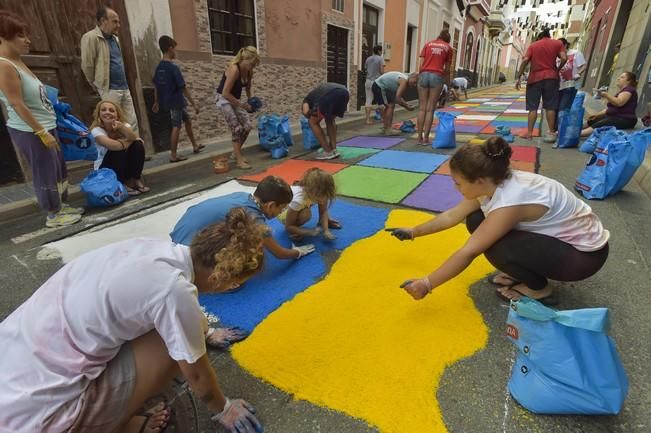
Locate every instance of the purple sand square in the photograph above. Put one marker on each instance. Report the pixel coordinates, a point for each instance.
(468, 128)
(437, 194)
(372, 142)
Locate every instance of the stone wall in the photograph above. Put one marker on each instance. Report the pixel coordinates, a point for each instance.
(281, 84)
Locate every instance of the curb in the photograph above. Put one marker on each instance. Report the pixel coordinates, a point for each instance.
(27, 206)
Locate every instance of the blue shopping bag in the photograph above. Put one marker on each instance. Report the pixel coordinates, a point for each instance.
(103, 189)
(271, 126)
(310, 141)
(566, 363)
(613, 164)
(571, 123)
(599, 134)
(445, 136)
(77, 143)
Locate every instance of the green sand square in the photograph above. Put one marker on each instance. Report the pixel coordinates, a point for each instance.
(378, 184)
(355, 152)
(522, 118)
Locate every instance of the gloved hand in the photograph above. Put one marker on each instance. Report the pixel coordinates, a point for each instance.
(418, 289)
(303, 250)
(237, 417)
(222, 338)
(402, 234)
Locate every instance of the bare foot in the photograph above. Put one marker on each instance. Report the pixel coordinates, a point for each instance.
(152, 421)
(526, 136)
(508, 293)
(533, 294)
(502, 279)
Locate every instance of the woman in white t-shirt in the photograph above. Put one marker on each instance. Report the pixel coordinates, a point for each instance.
(113, 327)
(118, 147)
(530, 227)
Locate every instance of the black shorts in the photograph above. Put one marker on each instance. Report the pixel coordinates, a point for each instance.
(548, 89)
(334, 103)
(382, 96)
(617, 122)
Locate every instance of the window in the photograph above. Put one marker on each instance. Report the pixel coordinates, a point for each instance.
(338, 5)
(232, 25)
(468, 54)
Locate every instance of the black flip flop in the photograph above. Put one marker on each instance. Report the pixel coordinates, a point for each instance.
(491, 280)
(334, 224)
(199, 148)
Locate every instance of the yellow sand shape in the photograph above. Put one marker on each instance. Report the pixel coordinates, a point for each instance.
(357, 343)
(477, 141)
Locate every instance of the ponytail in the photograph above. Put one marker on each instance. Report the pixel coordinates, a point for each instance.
(490, 159)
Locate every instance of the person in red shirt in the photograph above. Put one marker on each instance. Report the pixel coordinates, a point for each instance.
(543, 80)
(434, 66)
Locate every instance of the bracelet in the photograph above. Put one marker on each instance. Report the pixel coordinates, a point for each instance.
(227, 406)
(41, 132)
(429, 284)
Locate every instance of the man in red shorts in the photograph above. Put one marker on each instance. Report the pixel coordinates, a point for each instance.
(543, 81)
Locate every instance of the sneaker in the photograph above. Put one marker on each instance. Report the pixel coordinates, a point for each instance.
(62, 220)
(66, 209)
(549, 138)
(327, 155)
(392, 132)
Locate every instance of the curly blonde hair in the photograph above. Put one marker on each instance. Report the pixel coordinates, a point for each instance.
(231, 248)
(97, 121)
(318, 185)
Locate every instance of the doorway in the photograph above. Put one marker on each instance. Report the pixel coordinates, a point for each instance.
(410, 44)
(337, 55)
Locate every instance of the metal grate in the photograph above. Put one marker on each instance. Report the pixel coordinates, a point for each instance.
(232, 25)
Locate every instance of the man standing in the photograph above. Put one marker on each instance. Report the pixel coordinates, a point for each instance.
(102, 63)
(569, 73)
(543, 81)
(374, 66)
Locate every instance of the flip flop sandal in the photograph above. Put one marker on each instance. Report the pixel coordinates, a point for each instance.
(178, 159)
(244, 166)
(132, 192)
(148, 414)
(199, 148)
(491, 280)
(504, 297)
(142, 189)
(220, 166)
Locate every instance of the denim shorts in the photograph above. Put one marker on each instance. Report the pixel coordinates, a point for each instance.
(430, 80)
(178, 116)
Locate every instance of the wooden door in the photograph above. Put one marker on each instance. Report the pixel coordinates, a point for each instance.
(337, 52)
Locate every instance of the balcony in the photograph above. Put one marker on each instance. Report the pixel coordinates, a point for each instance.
(496, 23)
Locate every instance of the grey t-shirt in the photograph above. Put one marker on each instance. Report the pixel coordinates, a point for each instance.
(373, 67)
(389, 80)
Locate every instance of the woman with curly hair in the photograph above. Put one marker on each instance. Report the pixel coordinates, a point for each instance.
(113, 327)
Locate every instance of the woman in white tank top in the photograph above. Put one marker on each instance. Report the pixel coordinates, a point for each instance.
(528, 226)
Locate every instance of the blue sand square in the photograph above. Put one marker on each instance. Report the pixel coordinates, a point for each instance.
(281, 280)
(372, 142)
(419, 162)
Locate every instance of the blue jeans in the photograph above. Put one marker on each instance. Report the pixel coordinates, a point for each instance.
(566, 97)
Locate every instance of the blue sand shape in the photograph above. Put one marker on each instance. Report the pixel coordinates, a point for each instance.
(418, 162)
(281, 280)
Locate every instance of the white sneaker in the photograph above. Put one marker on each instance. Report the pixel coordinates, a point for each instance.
(66, 209)
(549, 138)
(327, 155)
(62, 220)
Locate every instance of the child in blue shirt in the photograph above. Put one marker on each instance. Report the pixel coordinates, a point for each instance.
(269, 199)
(170, 94)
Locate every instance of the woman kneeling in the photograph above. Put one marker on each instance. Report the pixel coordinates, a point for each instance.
(528, 226)
(113, 327)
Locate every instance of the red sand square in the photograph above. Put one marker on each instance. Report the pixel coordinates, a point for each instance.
(293, 169)
(525, 154)
(517, 165)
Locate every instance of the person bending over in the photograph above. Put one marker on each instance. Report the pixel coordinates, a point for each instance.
(113, 327)
(325, 102)
(316, 187)
(388, 90)
(530, 227)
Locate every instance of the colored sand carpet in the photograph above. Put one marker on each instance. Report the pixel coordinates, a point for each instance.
(293, 170)
(372, 142)
(281, 280)
(357, 343)
(377, 184)
(408, 161)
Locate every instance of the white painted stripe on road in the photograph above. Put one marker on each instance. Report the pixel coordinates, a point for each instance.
(477, 117)
(146, 223)
(515, 111)
(100, 218)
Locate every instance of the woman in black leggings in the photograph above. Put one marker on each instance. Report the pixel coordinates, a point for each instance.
(620, 109)
(530, 227)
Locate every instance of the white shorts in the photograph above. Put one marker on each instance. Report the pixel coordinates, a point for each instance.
(368, 92)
